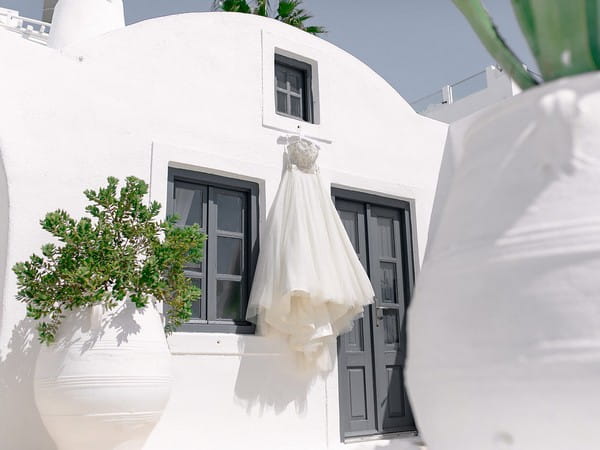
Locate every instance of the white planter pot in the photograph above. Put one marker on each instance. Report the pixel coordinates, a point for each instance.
(106, 380)
(504, 328)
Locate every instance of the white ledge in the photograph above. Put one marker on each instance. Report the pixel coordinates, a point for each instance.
(224, 344)
(32, 29)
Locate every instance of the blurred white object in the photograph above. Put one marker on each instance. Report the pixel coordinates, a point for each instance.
(105, 382)
(504, 328)
(78, 20)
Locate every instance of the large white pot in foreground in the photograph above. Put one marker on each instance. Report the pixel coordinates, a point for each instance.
(504, 328)
(106, 380)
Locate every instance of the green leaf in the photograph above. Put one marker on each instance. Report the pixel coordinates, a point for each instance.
(120, 251)
(234, 6)
(485, 29)
(286, 8)
(262, 8)
(593, 27)
(315, 30)
(526, 21)
(560, 34)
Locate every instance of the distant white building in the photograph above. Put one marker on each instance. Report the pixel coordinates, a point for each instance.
(189, 102)
(461, 99)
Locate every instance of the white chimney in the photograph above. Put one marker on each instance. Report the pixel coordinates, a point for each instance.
(78, 20)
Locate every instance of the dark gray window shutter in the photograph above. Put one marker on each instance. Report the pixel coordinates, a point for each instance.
(227, 211)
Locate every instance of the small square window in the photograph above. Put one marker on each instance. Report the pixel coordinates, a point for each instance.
(293, 96)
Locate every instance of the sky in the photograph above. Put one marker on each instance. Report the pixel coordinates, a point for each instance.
(416, 45)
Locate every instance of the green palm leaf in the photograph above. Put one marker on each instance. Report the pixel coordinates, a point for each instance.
(262, 8)
(240, 6)
(286, 8)
(288, 11)
(313, 29)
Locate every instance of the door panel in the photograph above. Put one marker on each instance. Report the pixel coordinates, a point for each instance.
(355, 347)
(373, 399)
(389, 337)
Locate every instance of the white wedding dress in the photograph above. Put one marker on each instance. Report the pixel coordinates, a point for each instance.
(309, 285)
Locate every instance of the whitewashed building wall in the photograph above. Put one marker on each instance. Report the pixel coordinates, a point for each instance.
(193, 91)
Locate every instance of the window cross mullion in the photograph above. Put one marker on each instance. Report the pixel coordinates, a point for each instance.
(292, 93)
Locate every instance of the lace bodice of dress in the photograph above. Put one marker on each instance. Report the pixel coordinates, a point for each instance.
(303, 154)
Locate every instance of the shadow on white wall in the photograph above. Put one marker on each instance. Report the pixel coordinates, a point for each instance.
(22, 424)
(272, 381)
(17, 360)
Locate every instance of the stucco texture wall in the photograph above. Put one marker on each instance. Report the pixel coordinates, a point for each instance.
(193, 91)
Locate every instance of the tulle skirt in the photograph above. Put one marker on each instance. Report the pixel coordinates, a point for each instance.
(309, 285)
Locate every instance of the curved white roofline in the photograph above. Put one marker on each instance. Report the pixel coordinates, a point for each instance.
(178, 23)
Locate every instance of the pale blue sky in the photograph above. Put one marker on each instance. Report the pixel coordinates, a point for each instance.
(416, 45)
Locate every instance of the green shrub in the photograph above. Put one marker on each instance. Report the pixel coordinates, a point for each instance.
(120, 251)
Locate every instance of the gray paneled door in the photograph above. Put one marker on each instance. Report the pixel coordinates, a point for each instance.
(371, 357)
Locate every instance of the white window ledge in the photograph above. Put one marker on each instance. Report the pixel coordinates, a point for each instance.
(224, 344)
